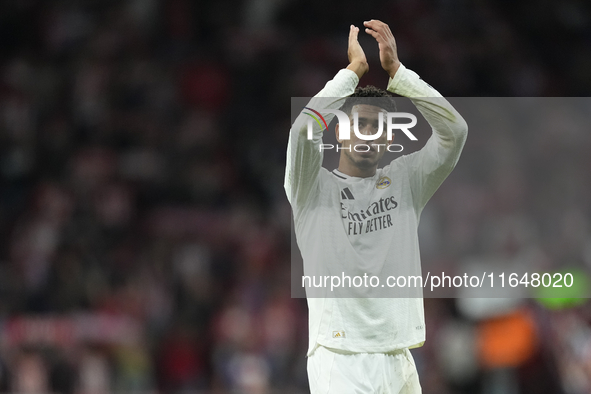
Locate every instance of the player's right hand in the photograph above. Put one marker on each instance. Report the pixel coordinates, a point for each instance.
(357, 59)
(386, 44)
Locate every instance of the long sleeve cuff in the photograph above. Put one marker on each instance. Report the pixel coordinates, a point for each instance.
(407, 83)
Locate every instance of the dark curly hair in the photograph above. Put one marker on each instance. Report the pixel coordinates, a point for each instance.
(370, 95)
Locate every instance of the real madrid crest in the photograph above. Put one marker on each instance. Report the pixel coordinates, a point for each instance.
(383, 182)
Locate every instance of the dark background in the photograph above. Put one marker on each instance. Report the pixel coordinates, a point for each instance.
(144, 230)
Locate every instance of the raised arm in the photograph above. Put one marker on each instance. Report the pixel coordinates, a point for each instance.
(304, 157)
(428, 167)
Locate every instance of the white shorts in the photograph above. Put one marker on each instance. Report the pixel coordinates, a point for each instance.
(340, 372)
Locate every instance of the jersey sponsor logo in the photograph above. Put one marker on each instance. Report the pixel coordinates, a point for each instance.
(375, 217)
(375, 208)
(338, 334)
(383, 182)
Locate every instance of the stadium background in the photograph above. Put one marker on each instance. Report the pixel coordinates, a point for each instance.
(144, 231)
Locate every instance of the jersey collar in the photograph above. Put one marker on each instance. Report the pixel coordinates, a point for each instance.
(341, 175)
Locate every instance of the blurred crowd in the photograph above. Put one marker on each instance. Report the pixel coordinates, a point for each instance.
(145, 233)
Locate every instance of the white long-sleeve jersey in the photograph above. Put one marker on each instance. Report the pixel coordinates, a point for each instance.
(354, 226)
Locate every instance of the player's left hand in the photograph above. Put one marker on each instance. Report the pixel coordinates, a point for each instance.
(386, 43)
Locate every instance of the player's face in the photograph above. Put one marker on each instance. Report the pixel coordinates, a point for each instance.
(359, 155)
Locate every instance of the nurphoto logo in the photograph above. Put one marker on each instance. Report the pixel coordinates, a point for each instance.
(345, 128)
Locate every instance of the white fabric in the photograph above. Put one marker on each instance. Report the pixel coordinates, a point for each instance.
(335, 372)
